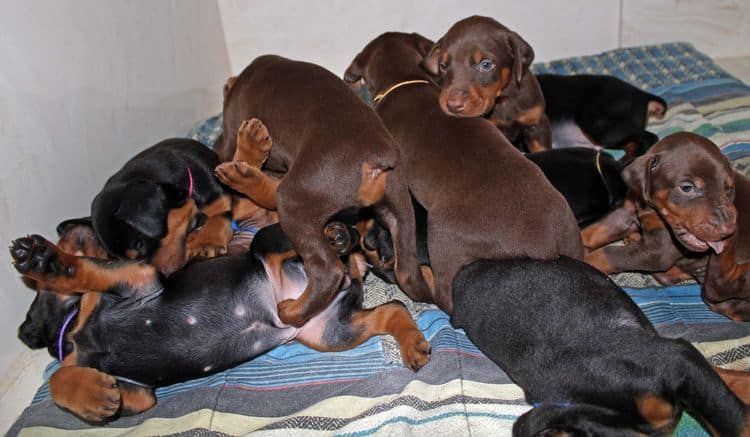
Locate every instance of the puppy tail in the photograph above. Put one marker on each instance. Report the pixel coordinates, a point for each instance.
(372, 187)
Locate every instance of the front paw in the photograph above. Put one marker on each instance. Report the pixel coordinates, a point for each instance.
(339, 237)
(35, 256)
(88, 393)
(253, 143)
(235, 174)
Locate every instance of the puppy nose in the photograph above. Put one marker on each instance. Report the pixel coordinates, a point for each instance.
(456, 102)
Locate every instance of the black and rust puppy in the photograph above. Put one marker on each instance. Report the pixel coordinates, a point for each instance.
(599, 110)
(586, 357)
(134, 213)
(484, 71)
(123, 339)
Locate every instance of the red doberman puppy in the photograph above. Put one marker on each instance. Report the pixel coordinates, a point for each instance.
(335, 153)
(484, 200)
(484, 70)
(685, 208)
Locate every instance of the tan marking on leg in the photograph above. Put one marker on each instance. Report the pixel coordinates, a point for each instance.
(171, 255)
(372, 187)
(656, 411)
(211, 240)
(136, 399)
(738, 382)
(249, 181)
(253, 143)
(531, 116)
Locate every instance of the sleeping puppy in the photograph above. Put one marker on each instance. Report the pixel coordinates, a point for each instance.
(484, 71)
(131, 215)
(600, 111)
(205, 318)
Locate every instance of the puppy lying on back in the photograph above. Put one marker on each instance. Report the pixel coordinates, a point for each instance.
(123, 340)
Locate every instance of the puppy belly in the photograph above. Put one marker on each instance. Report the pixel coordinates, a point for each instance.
(568, 134)
(314, 331)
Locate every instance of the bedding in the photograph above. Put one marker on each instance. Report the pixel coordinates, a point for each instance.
(365, 391)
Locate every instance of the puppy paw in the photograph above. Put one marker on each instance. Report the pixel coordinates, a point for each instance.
(236, 174)
(253, 143)
(207, 251)
(36, 257)
(88, 393)
(339, 237)
(415, 350)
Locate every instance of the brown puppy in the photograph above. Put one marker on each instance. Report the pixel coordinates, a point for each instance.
(484, 200)
(681, 212)
(484, 70)
(335, 154)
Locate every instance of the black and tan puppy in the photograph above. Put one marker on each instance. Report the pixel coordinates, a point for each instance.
(132, 214)
(334, 153)
(483, 198)
(484, 71)
(205, 318)
(598, 110)
(586, 357)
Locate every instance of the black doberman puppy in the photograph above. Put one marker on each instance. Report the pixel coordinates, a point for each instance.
(132, 215)
(131, 330)
(586, 357)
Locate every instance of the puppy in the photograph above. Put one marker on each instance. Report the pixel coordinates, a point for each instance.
(334, 153)
(586, 357)
(484, 70)
(119, 345)
(133, 214)
(681, 212)
(483, 198)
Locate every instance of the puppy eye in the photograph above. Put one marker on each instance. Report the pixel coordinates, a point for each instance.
(443, 67)
(138, 245)
(687, 188)
(486, 65)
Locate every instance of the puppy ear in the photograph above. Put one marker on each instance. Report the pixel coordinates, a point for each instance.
(356, 70)
(67, 225)
(523, 55)
(422, 44)
(637, 175)
(144, 207)
(432, 58)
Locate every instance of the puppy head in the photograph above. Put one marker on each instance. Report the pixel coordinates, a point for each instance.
(582, 420)
(476, 60)
(44, 320)
(77, 237)
(690, 183)
(389, 58)
(131, 221)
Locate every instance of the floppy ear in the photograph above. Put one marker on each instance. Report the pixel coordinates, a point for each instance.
(422, 44)
(523, 55)
(431, 59)
(356, 70)
(637, 175)
(65, 226)
(144, 207)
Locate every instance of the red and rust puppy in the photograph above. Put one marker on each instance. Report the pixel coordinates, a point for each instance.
(684, 208)
(484, 200)
(484, 71)
(133, 213)
(334, 153)
(117, 348)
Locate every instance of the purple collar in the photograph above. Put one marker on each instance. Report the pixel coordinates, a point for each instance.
(61, 337)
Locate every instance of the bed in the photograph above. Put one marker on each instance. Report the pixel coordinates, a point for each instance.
(365, 391)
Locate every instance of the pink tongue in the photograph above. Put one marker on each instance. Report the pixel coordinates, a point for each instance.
(717, 246)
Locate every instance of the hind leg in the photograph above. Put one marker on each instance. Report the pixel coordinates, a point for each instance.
(52, 269)
(727, 285)
(344, 324)
(397, 214)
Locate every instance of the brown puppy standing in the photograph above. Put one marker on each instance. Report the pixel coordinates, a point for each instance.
(686, 207)
(484, 70)
(335, 154)
(484, 200)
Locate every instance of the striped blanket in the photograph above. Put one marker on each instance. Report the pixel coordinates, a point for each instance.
(367, 391)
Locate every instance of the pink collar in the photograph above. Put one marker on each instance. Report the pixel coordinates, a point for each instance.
(190, 182)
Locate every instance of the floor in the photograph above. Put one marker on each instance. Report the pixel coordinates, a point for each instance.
(19, 384)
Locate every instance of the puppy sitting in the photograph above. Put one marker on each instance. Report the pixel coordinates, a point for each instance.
(115, 345)
(484, 71)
